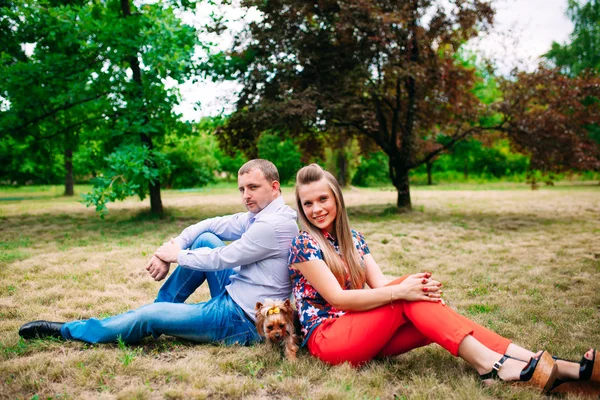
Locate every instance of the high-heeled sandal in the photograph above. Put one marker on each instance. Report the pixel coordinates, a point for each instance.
(540, 372)
(589, 378)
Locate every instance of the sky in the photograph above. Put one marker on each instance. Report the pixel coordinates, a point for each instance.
(523, 31)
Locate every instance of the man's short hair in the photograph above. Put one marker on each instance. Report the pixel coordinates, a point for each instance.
(268, 169)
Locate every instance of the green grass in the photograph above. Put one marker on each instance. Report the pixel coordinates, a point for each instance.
(523, 263)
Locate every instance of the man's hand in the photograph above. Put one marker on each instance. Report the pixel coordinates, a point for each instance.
(168, 252)
(157, 268)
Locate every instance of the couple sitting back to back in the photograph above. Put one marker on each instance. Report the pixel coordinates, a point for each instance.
(326, 268)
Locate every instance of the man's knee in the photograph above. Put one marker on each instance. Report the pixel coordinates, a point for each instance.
(207, 239)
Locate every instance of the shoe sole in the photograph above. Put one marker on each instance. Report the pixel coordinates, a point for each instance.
(545, 373)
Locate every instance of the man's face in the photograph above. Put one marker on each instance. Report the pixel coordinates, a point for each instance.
(256, 191)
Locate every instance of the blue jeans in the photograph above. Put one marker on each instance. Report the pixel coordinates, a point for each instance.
(218, 320)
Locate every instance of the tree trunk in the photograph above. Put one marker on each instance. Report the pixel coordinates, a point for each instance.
(156, 206)
(403, 188)
(399, 175)
(69, 182)
(407, 149)
(429, 179)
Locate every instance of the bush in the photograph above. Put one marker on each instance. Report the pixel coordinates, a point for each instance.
(29, 163)
(229, 165)
(283, 153)
(372, 170)
(193, 161)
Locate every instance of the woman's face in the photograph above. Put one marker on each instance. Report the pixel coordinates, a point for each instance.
(319, 205)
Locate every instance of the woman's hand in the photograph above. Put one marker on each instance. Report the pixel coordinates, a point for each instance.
(418, 287)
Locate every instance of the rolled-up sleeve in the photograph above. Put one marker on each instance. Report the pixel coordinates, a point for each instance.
(258, 243)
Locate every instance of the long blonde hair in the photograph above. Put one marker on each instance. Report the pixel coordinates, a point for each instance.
(313, 173)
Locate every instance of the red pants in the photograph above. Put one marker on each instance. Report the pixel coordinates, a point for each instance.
(357, 337)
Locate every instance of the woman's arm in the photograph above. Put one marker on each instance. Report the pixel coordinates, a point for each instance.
(411, 289)
(375, 277)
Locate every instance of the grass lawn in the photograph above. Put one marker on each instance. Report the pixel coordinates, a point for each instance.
(523, 263)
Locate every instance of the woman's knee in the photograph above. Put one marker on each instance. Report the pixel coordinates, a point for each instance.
(422, 307)
(398, 281)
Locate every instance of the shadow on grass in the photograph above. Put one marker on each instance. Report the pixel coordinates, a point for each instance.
(75, 229)
(467, 219)
(25, 198)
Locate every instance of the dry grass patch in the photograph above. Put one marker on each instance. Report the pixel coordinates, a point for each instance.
(525, 264)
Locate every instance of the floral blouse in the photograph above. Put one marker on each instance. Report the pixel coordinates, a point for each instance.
(312, 308)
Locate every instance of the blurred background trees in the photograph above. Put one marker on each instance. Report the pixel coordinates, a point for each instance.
(380, 93)
(77, 73)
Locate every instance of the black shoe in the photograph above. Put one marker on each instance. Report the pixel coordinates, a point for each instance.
(588, 383)
(539, 372)
(41, 329)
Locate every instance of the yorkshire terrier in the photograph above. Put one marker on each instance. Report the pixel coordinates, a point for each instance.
(275, 322)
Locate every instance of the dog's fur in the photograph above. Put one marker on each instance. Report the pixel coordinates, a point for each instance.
(278, 327)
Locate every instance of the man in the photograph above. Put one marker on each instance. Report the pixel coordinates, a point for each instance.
(251, 268)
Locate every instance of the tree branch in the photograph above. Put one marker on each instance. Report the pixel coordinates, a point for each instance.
(56, 110)
(453, 140)
(73, 126)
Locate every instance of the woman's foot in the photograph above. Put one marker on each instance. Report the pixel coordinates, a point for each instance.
(569, 370)
(579, 378)
(540, 371)
(509, 370)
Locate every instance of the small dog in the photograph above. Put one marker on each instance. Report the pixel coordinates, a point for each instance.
(275, 322)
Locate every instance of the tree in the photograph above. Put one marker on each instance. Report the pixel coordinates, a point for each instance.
(100, 68)
(548, 115)
(386, 72)
(49, 94)
(583, 51)
(153, 45)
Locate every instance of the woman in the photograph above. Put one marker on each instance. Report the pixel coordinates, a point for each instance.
(330, 263)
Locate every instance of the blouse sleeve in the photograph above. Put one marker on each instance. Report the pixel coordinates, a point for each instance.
(304, 248)
(362, 245)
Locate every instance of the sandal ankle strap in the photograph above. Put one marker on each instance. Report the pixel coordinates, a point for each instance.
(495, 368)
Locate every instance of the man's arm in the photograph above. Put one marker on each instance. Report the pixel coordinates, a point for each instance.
(258, 243)
(229, 227)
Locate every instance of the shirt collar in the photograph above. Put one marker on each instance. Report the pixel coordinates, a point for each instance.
(270, 209)
(329, 237)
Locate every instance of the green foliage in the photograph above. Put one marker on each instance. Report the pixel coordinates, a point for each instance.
(128, 173)
(229, 164)
(96, 79)
(196, 159)
(583, 51)
(372, 170)
(469, 160)
(472, 157)
(193, 162)
(29, 163)
(283, 153)
(88, 160)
